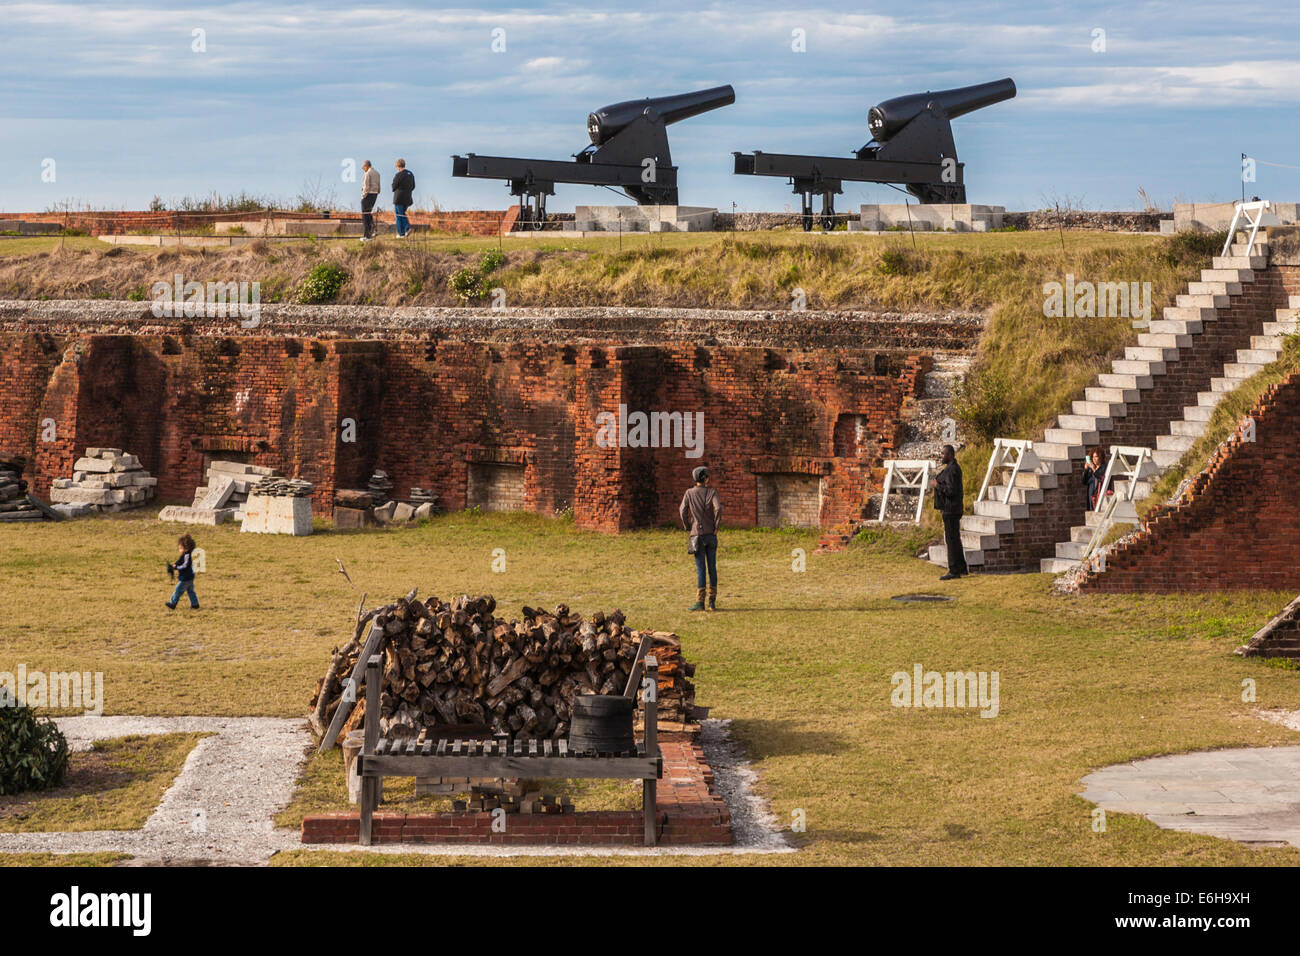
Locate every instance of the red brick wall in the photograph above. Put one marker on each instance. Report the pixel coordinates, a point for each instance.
(424, 410)
(1062, 507)
(1238, 525)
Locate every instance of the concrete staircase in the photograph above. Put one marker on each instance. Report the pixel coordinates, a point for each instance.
(1211, 293)
(1138, 372)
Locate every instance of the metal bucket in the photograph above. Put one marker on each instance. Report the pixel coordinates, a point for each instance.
(602, 723)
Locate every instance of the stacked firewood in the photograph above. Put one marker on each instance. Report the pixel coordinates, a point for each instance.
(456, 664)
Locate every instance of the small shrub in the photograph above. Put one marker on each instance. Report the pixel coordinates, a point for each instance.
(1193, 247)
(894, 262)
(33, 752)
(981, 403)
(468, 284)
(322, 283)
(492, 260)
(138, 294)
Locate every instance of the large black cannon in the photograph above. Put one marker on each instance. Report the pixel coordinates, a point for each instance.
(911, 144)
(629, 150)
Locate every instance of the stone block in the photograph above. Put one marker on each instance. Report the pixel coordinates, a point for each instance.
(265, 514)
(97, 465)
(403, 512)
(217, 495)
(195, 515)
(347, 518)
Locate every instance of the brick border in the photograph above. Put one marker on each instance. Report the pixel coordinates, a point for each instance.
(691, 813)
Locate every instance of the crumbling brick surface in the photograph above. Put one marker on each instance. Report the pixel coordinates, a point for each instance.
(1236, 526)
(430, 406)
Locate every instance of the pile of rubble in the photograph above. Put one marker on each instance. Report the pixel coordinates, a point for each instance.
(275, 487)
(105, 479)
(15, 503)
(363, 508)
(379, 487)
(223, 498)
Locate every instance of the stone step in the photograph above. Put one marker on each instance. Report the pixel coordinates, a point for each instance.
(1130, 367)
(1094, 423)
(1082, 533)
(1227, 275)
(1254, 356)
(1197, 413)
(1112, 380)
(1172, 341)
(1241, 370)
(1057, 565)
(1150, 353)
(1282, 327)
(1019, 495)
(1117, 396)
(1241, 244)
(1286, 315)
(1254, 262)
(1214, 288)
(1102, 410)
(975, 540)
(1166, 457)
(1056, 457)
(1209, 399)
(1177, 326)
(1202, 300)
(1035, 479)
(939, 556)
(1223, 385)
(1071, 549)
(1174, 442)
(987, 524)
(1267, 343)
(996, 509)
(1174, 313)
(1294, 301)
(1188, 426)
(1067, 436)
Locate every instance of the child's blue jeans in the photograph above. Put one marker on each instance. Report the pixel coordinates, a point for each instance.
(184, 587)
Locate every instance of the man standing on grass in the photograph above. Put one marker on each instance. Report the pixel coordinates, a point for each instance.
(701, 513)
(370, 186)
(948, 501)
(403, 197)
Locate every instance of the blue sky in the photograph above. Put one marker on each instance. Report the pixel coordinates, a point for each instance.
(284, 93)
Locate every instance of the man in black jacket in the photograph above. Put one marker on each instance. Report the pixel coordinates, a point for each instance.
(403, 197)
(948, 502)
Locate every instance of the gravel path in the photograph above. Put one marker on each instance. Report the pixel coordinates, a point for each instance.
(220, 806)
(219, 809)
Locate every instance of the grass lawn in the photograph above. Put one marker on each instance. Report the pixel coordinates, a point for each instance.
(800, 662)
(62, 859)
(115, 785)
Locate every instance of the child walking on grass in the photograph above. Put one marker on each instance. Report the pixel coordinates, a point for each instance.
(184, 568)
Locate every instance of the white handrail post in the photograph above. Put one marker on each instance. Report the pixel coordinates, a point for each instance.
(889, 481)
(988, 473)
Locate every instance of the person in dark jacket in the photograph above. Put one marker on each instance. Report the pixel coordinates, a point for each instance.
(1094, 473)
(403, 197)
(184, 569)
(701, 513)
(948, 501)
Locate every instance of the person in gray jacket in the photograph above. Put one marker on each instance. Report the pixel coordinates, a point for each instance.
(370, 186)
(701, 513)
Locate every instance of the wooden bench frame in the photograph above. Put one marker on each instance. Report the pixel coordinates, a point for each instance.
(508, 758)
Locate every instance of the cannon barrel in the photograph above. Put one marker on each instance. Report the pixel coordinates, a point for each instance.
(608, 120)
(887, 118)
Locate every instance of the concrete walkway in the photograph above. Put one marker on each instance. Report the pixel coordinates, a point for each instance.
(1251, 795)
